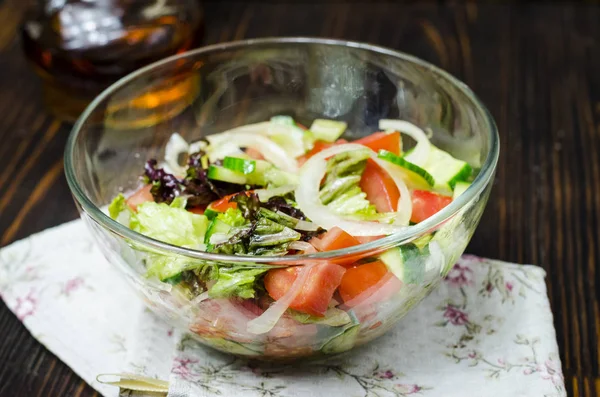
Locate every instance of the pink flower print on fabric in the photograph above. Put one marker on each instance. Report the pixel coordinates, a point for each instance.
(460, 275)
(455, 316)
(385, 374)
(407, 389)
(552, 371)
(509, 286)
(72, 285)
(26, 305)
(181, 367)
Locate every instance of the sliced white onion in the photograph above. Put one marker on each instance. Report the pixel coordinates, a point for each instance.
(174, 148)
(271, 151)
(202, 297)
(266, 194)
(420, 153)
(307, 196)
(303, 246)
(266, 321)
(198, 146)
(306, 226)
(258, 128)
(218, 238)
(219, 152)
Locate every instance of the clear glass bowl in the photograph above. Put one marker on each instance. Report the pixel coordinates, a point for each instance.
(219, 87)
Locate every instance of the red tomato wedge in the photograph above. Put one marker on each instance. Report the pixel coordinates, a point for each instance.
(141, 196)
(197, 210)
(425, 204)
(367, 239)
(380, 188)
(316, 293)
(334, 239)
(358, 279)
(382, 141)
(318, 147)
(223, 204)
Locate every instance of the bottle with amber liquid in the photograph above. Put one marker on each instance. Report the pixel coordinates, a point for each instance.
(80, 47)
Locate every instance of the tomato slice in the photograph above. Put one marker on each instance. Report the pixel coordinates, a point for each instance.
(197, 210)
(318, 147)
(316, 293)
(334, 239)
(141, 196)
(382, 141)
(223, 204)
(358, 279)
(425, 204)
(380, 188)
(367, 239)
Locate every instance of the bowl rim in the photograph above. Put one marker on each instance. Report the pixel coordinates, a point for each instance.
(410, 233)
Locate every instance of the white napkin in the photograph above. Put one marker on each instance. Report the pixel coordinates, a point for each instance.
(486, 331)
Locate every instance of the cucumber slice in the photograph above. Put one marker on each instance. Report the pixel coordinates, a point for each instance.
(225, 175)
(239, 165)
(415, 176)
(210, 213)
(267, 174)
(283, 120)
(460, 188)
(327, 130)
(406, 262)
(344, 337)
(421, 242)
(216, 226)
(284, 132)
(446, 170)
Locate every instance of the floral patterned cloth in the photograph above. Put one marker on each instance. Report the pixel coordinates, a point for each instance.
(486, 331)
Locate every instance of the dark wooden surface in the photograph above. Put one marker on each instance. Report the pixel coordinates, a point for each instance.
(537, 67)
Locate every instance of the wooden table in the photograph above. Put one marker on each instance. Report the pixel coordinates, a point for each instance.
(537, 67)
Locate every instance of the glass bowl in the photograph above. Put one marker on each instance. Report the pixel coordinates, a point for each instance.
(215, 88)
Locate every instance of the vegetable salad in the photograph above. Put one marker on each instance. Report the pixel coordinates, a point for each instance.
(278, 188)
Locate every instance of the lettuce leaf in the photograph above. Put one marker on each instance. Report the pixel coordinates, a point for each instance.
(333, 317)
(171, 224)
(168, 223)
(233, 217)
(341, 191)
(236, 281)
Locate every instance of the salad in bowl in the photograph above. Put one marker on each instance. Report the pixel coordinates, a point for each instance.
(302, 198)
(277, 188)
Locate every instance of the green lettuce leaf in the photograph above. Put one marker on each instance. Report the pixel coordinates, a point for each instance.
(341, 192)
(171, 224)
(333, 317)
(233, 217)
(239, 282)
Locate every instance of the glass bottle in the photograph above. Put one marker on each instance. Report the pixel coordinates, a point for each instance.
(80, 47)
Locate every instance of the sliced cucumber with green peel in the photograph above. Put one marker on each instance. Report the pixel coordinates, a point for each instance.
(446, 170)
(406, 262)
(460, 188)
(264, 174)
(237, 164)
(283, 120)
(415, 176)
(421, 242)
(210, 213)
(216, 226)
(345, 337)
(226, 175)
(328, 130)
